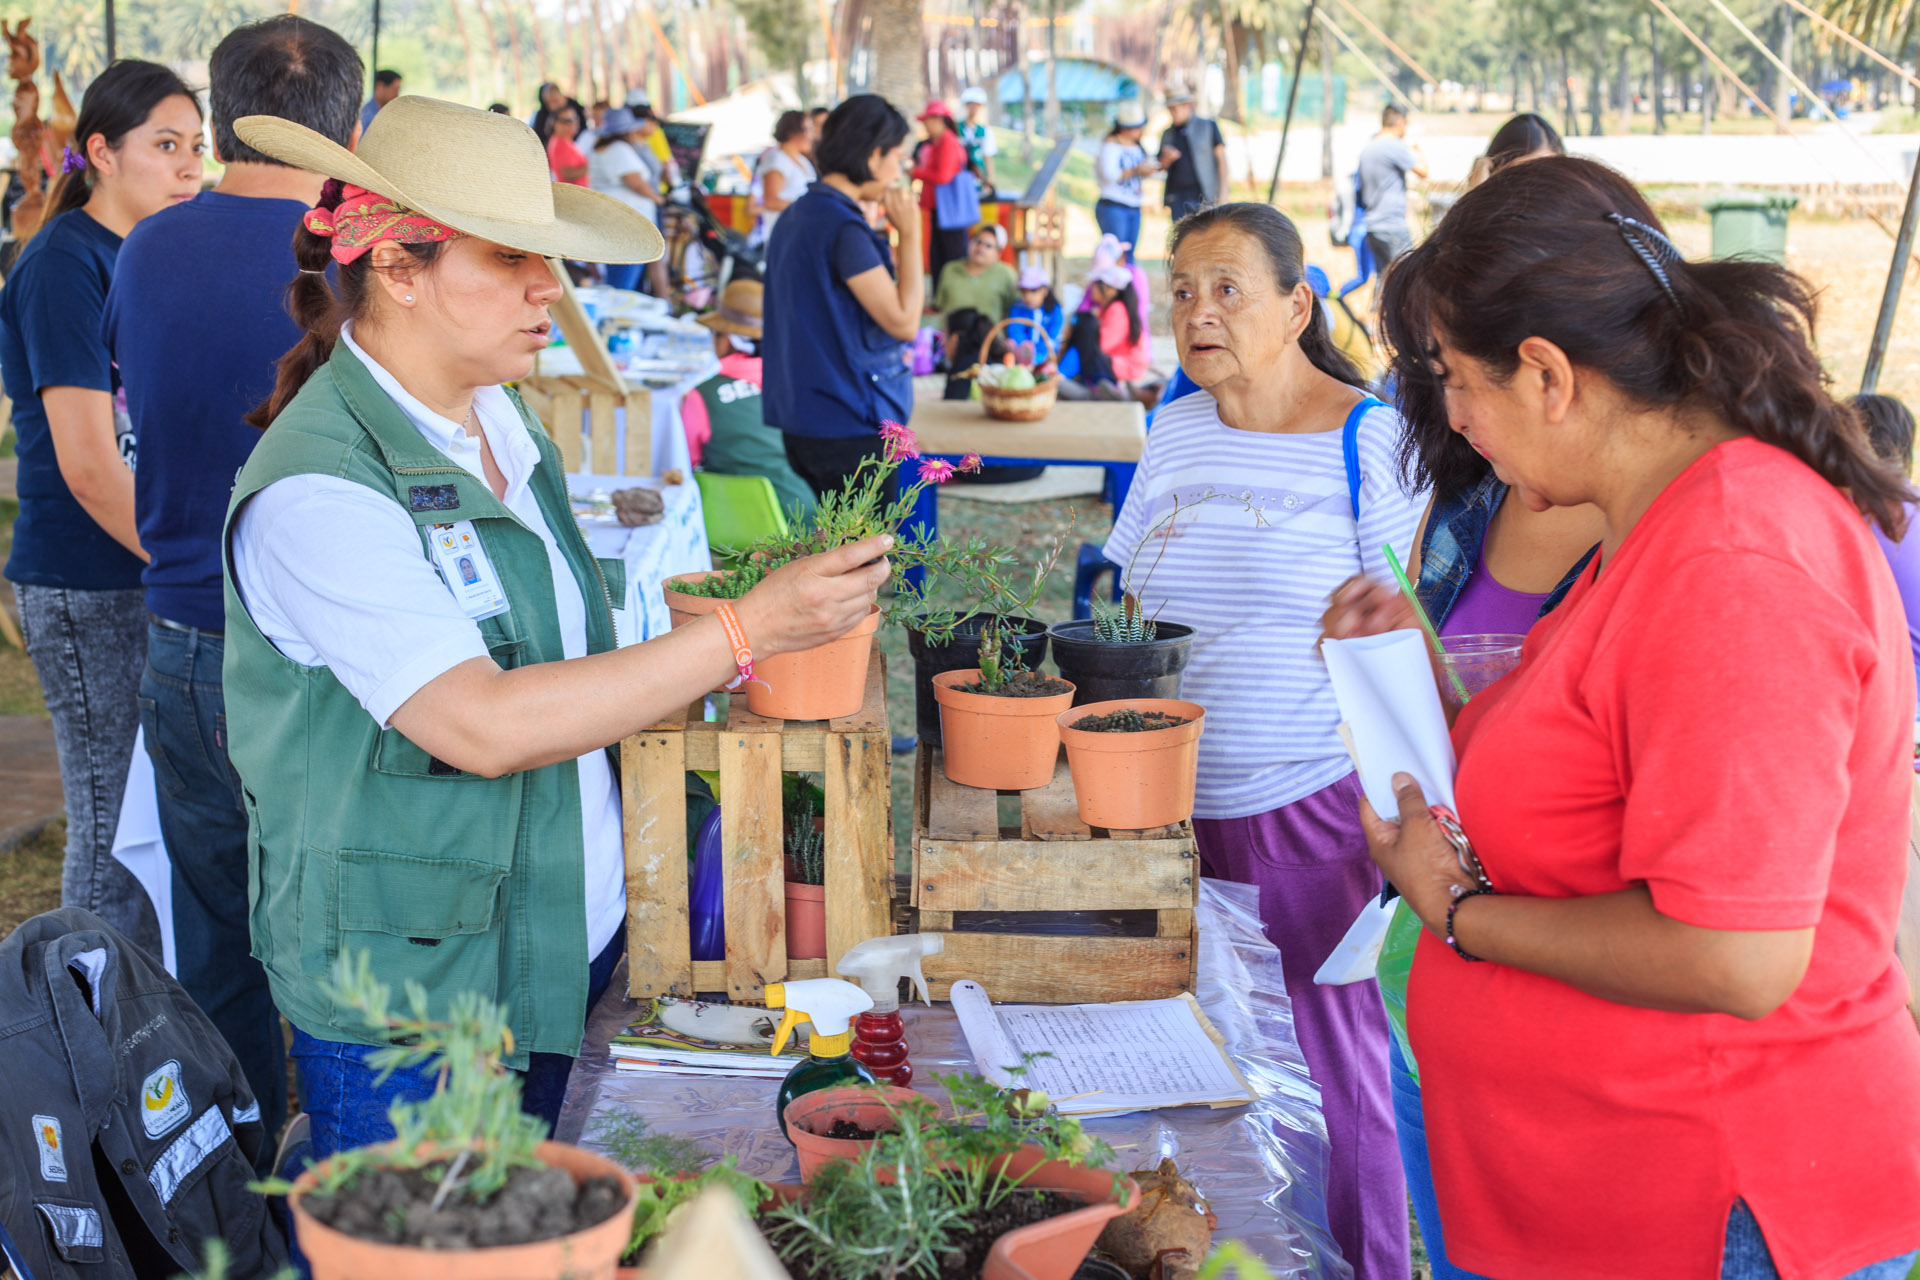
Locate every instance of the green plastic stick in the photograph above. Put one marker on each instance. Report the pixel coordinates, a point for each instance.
(1426, 623)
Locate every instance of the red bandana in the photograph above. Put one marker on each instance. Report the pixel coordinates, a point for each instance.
(363, 218)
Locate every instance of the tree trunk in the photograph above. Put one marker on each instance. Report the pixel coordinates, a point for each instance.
(1019, 22)
(1597, 85)
(466, 42)
(1326, 103)
(1572, 112)
(1232, 108)
(495, 65)
(544, 70)
(1783, 46)
(1626, 94)
(1053, 68)
(1709, 90)
(898, 57)
(1659, 89)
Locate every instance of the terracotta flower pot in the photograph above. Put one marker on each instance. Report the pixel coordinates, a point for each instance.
(820, 683)
(593, 1254)
(806, 921)
(1002, 744)
(1054, 1249)
(810, 1115)
(1134, 780)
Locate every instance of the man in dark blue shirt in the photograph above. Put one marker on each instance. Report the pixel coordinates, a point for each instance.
(196, 321)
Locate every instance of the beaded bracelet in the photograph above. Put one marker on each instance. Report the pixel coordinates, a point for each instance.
(1454, 906)
(737, 637)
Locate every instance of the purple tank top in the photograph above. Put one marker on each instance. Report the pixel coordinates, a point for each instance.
(1485, 608)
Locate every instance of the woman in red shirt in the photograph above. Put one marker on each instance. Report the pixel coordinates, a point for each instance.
(564, 158)
(947, 190)
(1687, 1052)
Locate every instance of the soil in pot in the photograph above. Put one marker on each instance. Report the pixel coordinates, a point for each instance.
(1127, 720)
(1103, 671)
(963, 654)
(1021, 684)
(849, 1131)
(967, 1257)
(394, 1206)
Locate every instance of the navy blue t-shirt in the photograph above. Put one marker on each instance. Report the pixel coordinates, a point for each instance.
(196, 320)
(50, 337)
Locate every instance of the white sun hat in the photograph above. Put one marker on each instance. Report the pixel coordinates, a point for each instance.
(476, 171)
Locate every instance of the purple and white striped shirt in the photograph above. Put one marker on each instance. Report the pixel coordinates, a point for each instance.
(1243, 535)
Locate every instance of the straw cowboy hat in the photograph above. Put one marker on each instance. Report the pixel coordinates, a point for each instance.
(740, 310)
(475, 171)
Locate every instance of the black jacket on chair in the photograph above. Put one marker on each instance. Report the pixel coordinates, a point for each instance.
(127, 1132)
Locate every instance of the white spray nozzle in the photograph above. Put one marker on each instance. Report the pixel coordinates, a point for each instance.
(878, 964)
(828, 1003)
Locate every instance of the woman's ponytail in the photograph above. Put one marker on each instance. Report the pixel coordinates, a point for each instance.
(315, 307)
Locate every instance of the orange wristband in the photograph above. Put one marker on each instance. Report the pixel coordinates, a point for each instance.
(737, 637)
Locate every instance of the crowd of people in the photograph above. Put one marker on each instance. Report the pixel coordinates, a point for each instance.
(1654, 1020)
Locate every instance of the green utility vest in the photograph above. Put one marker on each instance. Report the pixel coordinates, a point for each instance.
(357, 839)
(743, 444)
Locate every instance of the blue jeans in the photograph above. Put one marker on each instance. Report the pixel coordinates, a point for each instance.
(1410, 1127)
(205, 827)
(347, 1102)
(1122, 221)
(1747, 1257)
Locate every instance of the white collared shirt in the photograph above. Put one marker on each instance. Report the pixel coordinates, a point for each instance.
(333, 574)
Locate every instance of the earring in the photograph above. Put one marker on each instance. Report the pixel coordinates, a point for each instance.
(409, 298)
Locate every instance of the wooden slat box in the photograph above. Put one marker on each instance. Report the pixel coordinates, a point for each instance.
(578, 414)
(750, 753)
(1049, 911)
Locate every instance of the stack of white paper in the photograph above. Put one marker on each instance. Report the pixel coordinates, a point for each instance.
(1391, 705)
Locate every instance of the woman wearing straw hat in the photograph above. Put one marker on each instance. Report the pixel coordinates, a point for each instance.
(421, 748)
(726, 433)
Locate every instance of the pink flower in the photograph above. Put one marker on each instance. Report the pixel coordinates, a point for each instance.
(898, 441)
(936, 470)
(970, 463)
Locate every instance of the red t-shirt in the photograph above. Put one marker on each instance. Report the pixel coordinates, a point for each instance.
(562, 153)
(1724, 714)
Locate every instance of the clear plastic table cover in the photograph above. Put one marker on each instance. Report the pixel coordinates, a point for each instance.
(1262, 1167)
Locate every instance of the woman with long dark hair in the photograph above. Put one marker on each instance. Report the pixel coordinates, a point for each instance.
(1258, 495)
(839, 307)
(76, 555)
(1525, 137)
(1660, 1025)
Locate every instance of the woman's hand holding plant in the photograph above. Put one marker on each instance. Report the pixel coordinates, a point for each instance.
(815, 599)
(1415, 856)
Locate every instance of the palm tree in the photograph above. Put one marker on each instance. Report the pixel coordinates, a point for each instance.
(898, 52)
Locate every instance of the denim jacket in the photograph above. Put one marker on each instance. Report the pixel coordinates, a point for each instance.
(1450, 549)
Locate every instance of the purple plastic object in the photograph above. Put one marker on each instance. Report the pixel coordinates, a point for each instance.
(706, 906)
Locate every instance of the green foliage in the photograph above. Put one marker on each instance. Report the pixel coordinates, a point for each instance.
(214, 1267)
(662, 1199)
(630, 1143)
(471, 1133)
(806, 843)
(782, 30)
(1120, 624)
(1237, 1257)
(940, 1171)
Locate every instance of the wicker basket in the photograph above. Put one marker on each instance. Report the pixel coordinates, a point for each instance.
(1022, 405)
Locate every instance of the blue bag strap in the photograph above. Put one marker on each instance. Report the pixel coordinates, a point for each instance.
(1350, 449)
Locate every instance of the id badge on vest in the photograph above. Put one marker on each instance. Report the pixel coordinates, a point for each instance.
(469, 573)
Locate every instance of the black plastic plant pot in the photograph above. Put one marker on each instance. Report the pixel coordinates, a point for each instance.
(963, 653)
(1102, 671)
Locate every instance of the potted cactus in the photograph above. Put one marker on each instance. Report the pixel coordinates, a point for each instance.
(1120, 653)
(806, 843)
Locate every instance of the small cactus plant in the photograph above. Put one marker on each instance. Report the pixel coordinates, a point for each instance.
(1116, 624)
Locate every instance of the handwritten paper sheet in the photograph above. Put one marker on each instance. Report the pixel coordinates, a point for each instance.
(1104, 1058)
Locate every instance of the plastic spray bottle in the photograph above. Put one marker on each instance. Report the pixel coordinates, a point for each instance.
(829, 1004)
(878, 964)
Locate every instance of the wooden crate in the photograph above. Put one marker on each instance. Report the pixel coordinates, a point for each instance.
(750, 753)
(579, 414)
(1049, 910)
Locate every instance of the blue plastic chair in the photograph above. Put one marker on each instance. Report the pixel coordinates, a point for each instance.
(1093, 561)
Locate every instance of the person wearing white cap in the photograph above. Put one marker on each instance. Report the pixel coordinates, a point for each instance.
(1038, 311)
(1109, 342)
(1119, 167)
(977, 136)
(422, 673)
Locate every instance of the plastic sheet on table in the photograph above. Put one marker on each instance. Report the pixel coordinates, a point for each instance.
(1263, 1168)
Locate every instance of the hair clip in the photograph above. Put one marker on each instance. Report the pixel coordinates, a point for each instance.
(71, 161)
(1655, 251)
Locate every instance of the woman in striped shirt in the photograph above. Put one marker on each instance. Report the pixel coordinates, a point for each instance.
(1258, 495)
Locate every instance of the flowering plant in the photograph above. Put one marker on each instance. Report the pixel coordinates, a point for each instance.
(862, 508)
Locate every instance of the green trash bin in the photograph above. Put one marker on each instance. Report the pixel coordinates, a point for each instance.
(1748, 224)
